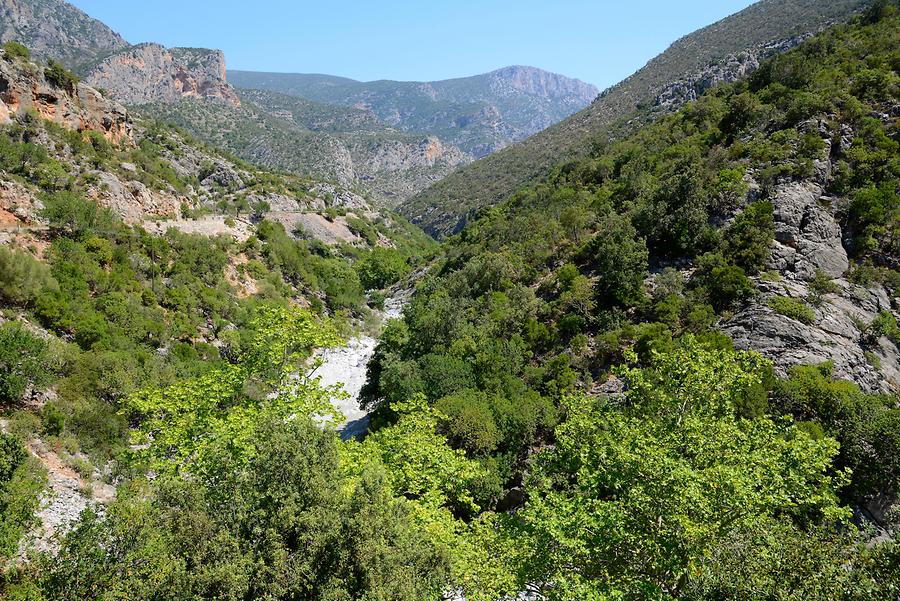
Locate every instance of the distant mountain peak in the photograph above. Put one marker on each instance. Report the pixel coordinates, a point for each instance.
(479, 114)
(546, 84)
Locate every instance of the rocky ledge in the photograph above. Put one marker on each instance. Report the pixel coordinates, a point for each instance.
(808, 242)
(24, 88)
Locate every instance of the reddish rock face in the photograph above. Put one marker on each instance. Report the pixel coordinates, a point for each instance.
(23, 87)
(151, 73)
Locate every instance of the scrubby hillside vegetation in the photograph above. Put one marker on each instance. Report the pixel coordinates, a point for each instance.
(668, 371)
(347, 146)
(723, 51)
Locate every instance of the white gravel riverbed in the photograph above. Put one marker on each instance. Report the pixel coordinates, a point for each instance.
(346, 365)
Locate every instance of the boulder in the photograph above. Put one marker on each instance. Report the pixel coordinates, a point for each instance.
(807, 236)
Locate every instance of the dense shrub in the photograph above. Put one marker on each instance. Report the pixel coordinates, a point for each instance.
(72, 214)
(14, 49)
(793, 308)
(748, 240)
(24, 362)
(381, 267)
(723, 284)
(867, 426)
(23, 278)
(57, 75)
(21, 482)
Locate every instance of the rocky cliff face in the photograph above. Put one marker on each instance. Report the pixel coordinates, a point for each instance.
(23, 88)
(56, 29)
(809, 240)
(544, 84)
(729, 69)
(151, 73)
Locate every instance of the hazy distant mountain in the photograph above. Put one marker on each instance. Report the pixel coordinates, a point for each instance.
(720, 52)
(345, 145)
(479, 114)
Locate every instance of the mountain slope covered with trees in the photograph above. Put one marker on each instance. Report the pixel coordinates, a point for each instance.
(479, 114)
(726, 46)
(589, 396)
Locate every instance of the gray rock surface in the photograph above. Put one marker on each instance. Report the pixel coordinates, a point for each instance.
(807, 237)
(729, 69)
(836, 334)
(56, 29)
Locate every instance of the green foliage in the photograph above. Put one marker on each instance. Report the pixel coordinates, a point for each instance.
(23, 278)
(748, 240)
(819, 286)
(874, 215)
(181, 424)
(288, 524)
(631, 502)
(29, 160)
(885, 324)
(470, 422)
(620, 262)
(24, 362)
(73, 215)
(21, 482)
(723, 284)
(729, 187)
(792, 307)
(299, 265)
(422, 465)
(15, 50)
(867, 426)
(381, 267)
(777, 559)
(56, 74)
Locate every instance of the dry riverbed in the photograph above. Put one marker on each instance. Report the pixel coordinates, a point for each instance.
(346, 365)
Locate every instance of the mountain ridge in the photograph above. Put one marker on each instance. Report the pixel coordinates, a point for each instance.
(480, 113)
(444, 208)
(58, 30)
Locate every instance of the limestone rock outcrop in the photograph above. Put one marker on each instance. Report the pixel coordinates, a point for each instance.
(837, 334)
(807, 237)
(151, 73)
(729, 69)
(809, 243)
(24, 88)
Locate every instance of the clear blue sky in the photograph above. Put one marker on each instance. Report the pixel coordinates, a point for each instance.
(599, 41)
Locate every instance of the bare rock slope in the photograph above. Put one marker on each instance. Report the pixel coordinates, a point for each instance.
(24, 88)
(151, 73)
(810, 242)
(56, 29)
